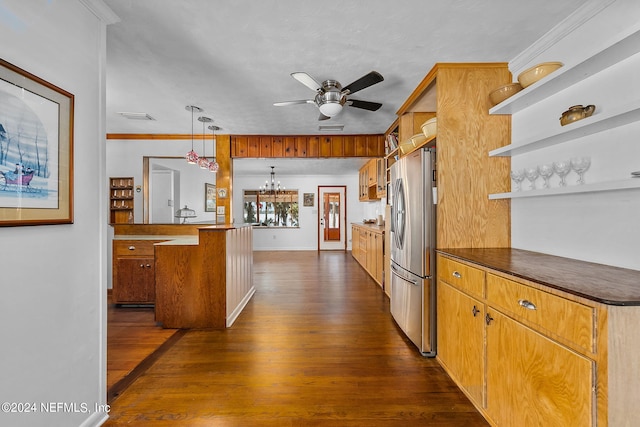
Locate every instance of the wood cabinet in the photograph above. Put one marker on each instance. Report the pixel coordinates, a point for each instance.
(461, 339)
(457, 94)
(532, 380)
(367, 247)
(134, 271)
(372, 180)
(314, 146)
(528, 353)
(121, 200)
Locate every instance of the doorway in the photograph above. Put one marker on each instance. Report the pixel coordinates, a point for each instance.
(332, 218)
(162, 186)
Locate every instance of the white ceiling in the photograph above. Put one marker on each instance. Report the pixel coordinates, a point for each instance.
(234, 58)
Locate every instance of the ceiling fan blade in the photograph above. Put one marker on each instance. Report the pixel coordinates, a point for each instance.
(307, 80)
(300, 101)
(366, 105)
(363, 82)
(323, 117)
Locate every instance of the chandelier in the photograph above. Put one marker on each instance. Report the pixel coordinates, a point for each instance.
(192, 157)
(270, 187)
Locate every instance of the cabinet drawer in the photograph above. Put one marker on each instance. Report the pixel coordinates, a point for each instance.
(133, 247)
(567, 319)
(464, 277)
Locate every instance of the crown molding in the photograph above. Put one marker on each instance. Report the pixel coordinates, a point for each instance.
(581, 15)
(101, 11)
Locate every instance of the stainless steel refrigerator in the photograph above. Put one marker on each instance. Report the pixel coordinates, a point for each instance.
(413, 215)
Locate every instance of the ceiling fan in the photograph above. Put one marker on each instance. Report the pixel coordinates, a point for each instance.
(331, 96)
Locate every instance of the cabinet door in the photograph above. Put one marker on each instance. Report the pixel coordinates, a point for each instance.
(134, 280)
(461, 339)
(379, 258)
(534, 381)
(355, 242)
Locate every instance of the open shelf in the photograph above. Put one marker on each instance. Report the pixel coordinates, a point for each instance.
(591, 125)
(569, 75)
(624, 184)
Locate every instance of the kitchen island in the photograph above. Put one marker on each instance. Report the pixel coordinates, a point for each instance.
(196, 275)
(562, 332)
(204, 281)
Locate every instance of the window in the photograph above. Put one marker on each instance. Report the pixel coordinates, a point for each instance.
(268, 210)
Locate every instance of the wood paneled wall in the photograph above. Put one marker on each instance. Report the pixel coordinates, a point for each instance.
(268, 146)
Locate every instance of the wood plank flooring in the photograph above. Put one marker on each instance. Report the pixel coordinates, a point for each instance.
(132, 336)
(316, 346)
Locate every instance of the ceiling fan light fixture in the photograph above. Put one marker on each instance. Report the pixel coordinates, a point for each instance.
(331, 108)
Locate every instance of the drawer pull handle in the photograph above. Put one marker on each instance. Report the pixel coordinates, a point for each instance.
(527, 304)
(132, 248)
(457, 275)
(475, 311)
(141, 265)
(148, 266)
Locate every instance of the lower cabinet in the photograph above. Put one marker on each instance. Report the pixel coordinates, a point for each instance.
(461, 339)
(523, 356)
(533, 380)
(133, 272)
(367, 247)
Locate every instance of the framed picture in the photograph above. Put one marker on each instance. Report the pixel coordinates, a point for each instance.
(36, 150)
(209, 197)
(308, 199)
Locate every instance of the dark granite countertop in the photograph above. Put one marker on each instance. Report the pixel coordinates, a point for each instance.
(598, 282)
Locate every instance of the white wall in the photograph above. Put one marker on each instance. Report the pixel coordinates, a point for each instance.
(53, 305)
(305, 237)
(598, 227)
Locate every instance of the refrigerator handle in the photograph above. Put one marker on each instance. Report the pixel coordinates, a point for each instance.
(413, 282)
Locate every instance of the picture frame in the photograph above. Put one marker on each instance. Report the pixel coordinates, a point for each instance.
(209, 197)
(308, 199)
(36, 150)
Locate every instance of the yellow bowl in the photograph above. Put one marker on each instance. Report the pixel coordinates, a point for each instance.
(406, 146)
(430, 127)
(504, 92)
(535, 73)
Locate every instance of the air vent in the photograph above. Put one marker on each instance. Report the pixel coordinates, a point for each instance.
(331, 128)
(136, 116)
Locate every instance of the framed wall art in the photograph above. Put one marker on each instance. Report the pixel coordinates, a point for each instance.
(36, 150)
(308, 199)
(209, 197)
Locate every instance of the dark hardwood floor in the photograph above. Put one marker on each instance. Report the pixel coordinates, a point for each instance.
(316, 346)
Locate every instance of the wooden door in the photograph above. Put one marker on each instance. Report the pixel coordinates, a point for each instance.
(534, 381)
(461, 339)
(332, 218)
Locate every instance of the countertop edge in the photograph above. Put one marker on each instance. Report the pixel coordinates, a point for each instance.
(577, 288)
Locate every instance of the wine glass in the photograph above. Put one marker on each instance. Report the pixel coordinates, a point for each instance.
(518, 176)
(562, 168)
(532, 175)
(580, 165)
(546, 172)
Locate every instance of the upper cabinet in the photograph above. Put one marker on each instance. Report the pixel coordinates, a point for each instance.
(372, 180)
(457, 95)
(588, 82)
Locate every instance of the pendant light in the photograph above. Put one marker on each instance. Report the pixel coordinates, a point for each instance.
(203, 162)
(192, 156)
(213, 164)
